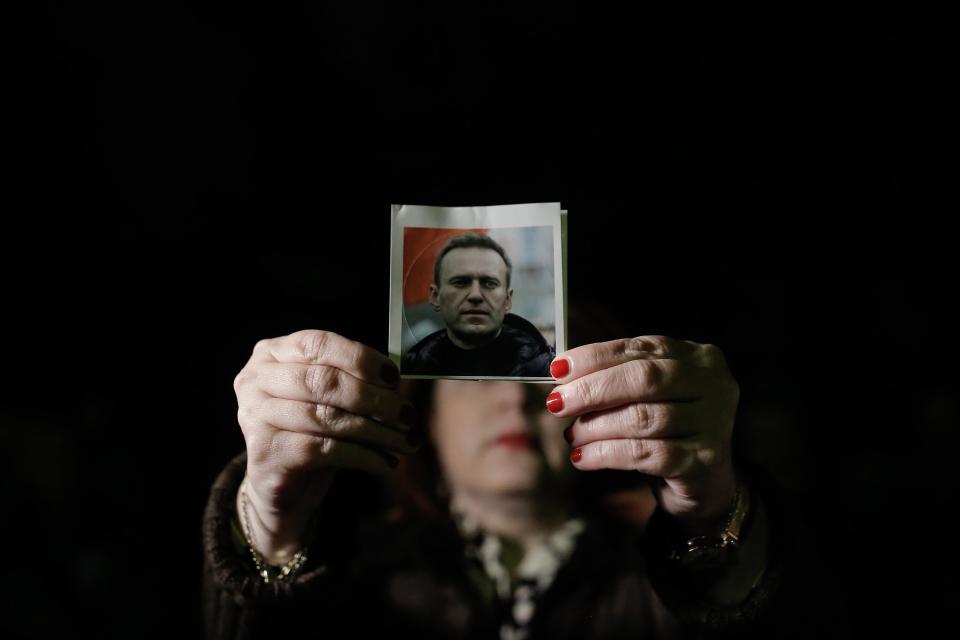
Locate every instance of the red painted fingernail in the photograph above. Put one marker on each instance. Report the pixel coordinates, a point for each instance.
(559, 368)
(568, 434)
(576, 454)
(555, 402)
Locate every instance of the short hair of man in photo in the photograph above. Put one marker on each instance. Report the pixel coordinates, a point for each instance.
(467, 240)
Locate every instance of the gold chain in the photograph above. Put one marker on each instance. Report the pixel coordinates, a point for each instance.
(269, 572)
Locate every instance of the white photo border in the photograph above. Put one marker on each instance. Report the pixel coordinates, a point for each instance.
(540, 214)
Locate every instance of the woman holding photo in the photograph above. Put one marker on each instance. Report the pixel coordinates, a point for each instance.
(500, 516)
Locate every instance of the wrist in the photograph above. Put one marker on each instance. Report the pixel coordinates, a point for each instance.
(731, 576)
(277, 534)
(709, 518)
(277, 552)
(710, 541)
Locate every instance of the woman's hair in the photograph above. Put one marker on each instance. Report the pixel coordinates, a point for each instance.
(419, 485)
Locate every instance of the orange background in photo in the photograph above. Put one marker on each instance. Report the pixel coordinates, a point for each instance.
(420, 249)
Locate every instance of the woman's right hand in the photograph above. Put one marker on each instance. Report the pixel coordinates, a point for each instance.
(309, 403)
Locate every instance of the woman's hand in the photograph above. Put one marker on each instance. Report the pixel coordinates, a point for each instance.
(657, 405)
(309, 403)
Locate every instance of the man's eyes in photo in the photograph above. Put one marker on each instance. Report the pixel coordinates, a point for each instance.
(489, 283)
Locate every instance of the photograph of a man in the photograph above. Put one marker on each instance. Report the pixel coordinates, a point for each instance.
(471, 292)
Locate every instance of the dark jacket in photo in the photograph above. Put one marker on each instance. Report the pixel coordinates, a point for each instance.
(519, 351)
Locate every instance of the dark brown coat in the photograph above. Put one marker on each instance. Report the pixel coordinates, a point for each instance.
(411, 579)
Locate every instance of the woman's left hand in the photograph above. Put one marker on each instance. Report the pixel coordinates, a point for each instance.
(657, 405)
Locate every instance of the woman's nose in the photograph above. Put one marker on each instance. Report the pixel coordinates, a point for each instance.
(510, 395)
(523, 397)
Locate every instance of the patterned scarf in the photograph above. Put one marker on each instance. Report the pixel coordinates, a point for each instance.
(534, 574)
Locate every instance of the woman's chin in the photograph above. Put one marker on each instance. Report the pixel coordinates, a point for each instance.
(521, 473)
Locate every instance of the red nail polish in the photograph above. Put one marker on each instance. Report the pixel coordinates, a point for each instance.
(568, 434)
(555, 402)
(576, 454)
(559, 368)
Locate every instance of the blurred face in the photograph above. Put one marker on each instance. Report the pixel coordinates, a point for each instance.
(498, 437)
(472, 295)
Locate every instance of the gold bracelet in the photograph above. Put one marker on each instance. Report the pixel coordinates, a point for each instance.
(267, 571)
(712, 551)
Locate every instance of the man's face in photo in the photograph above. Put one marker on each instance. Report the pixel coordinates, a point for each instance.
(472, 295)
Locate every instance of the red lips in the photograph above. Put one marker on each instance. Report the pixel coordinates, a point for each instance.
(518, 441)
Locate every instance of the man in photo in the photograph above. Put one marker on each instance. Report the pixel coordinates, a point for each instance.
(471, 291)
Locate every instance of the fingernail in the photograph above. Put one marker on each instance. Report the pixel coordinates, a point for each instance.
(408, 415)
(389, 373)
(414, 439)
(568, 434)
(559, 367)
(555, 402)
(576, 454)
(392, 461)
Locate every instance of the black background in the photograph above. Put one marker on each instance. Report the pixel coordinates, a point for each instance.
(773, 178)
